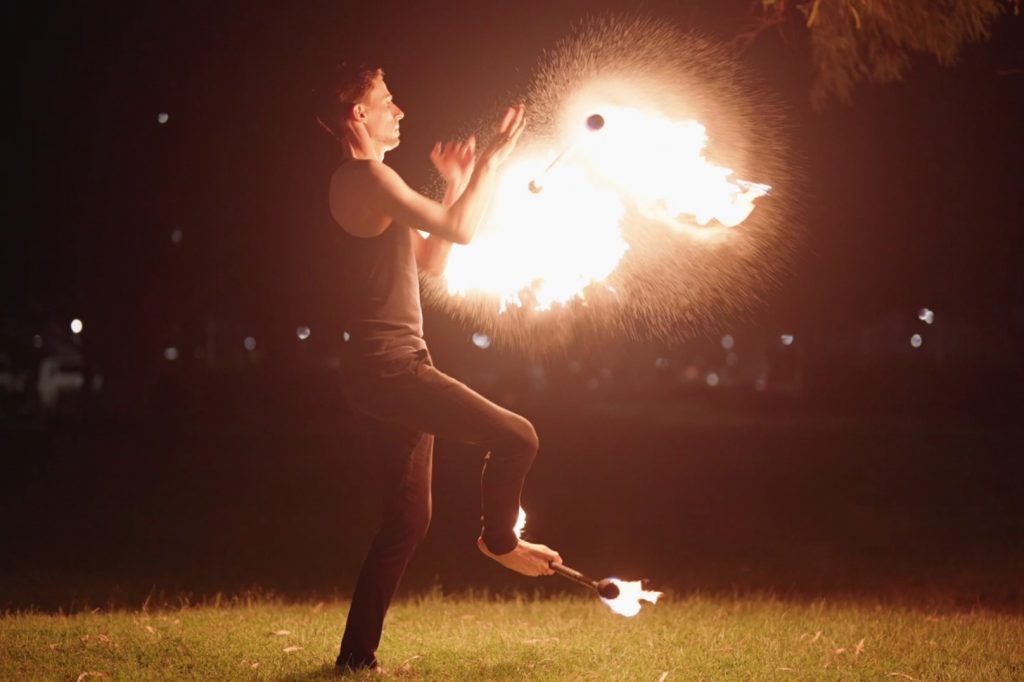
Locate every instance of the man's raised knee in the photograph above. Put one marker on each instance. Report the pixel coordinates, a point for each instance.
(527, 437)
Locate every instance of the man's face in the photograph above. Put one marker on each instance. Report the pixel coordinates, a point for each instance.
(382, 116)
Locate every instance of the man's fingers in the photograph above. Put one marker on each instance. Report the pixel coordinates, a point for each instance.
(510, 114)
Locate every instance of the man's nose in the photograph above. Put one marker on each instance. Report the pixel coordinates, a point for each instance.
(399, 114)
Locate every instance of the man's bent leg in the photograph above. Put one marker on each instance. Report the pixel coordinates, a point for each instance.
(425, 399)
(406, 518)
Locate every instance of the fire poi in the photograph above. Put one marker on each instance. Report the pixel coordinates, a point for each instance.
(621, 596)
(637, 202)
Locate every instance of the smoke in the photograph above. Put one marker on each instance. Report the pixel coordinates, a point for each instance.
(673, 282)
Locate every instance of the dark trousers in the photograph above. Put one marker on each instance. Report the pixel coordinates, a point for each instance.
(410, 397)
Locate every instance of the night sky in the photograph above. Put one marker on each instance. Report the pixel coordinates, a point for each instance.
(912, 192)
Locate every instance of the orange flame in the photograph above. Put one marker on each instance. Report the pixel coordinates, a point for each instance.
(630, 595)
(545, 249)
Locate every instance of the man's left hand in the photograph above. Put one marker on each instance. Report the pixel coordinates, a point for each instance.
(455, 160)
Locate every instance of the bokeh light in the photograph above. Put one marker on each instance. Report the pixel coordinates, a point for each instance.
(787, 339)
(926, 315)
(162, 117)
(916, 340)
(250, 343)
(171, 353)
(481, 340)
(303, 332)
(77, 326)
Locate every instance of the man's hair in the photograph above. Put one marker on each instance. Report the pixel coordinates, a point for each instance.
(340, 89)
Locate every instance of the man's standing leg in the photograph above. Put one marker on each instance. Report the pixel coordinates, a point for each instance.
(406, 519)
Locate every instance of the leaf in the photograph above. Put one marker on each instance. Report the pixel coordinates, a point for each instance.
(91, 673)
(281, 633)
(290, 649)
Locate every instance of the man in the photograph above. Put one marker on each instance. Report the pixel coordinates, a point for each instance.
(388, 372)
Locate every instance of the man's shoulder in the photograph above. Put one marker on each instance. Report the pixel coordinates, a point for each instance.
(359, 194)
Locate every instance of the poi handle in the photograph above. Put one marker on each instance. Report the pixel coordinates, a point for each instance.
(572, 574)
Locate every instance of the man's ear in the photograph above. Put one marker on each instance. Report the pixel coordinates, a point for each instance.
(358, 112)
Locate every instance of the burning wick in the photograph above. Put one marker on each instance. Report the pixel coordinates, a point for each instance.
(606, 588)
(621, 596)
(594, 123)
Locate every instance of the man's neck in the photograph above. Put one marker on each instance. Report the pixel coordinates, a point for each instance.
(361, 150)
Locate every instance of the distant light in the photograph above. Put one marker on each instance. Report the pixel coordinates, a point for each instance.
(787, 339)
(606, 373)
(692, 372)
(661, 363)
(302, 332)
(728, 342)
(162, 117)
(250, 343)
(171, 353)
(177, 235)
(593, 384)
(760, 384)
(77, 326)
(575, 366)
(926, 315)
(37, 341)
(916, 340)
(481, 340)
(712, 379)
(346, 337)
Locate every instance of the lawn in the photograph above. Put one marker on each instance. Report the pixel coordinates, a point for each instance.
(545, 638)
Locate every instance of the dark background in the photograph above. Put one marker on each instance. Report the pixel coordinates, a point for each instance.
(858, 465)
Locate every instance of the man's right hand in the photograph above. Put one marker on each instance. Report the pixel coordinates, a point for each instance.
(527, 558)
(508, 134)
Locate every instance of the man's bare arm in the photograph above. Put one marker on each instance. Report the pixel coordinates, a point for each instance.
(375, 195)
(432, 251)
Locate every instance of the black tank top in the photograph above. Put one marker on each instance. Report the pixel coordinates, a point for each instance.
(381, 283)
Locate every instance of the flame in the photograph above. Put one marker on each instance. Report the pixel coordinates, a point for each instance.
(520, 523)
(660, 165)
(541, 249)
(630, 594)
(545, 249)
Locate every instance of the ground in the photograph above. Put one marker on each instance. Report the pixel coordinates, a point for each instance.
(553, 638)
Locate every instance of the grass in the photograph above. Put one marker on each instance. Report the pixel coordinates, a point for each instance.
(561, 638)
